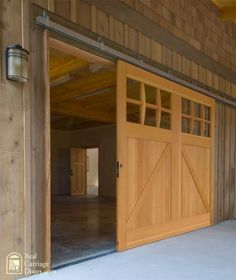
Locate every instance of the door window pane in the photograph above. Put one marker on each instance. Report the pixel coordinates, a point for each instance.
(186, 125)
(133, 113)
(151, 117)
(151, 94)
(197, 110)
(186, 106)
(197, 128)
(165, 120)
(207, 113)
(133, 89)
(165, 99)
(207, 132)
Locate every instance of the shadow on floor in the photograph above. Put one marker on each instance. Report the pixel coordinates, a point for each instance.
(82, 228)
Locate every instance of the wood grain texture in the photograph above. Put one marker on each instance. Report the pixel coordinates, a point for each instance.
(40, 157)
(106, 21)
(122, 198)
(148, 28)
(225, 163)
(12, 211)
(168, 181)
(78, 169)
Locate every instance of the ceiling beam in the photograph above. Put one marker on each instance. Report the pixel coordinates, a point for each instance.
(79, 53)
(75, 110)
(228, 13)
(83, 85)
(60, 67)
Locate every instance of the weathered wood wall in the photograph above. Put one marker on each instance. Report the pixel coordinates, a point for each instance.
(22, 202)
(11, 143)
(24, 177)
(225, 161)
(100, 18)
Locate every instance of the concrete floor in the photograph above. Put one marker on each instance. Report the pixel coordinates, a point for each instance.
(205, 254)
(82, 227)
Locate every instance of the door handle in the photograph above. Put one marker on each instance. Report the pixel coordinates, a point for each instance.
(71, 173)
(118, 165)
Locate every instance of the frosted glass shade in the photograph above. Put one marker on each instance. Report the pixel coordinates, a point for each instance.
(17, 63)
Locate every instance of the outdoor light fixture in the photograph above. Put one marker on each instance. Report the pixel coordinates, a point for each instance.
(17, 63)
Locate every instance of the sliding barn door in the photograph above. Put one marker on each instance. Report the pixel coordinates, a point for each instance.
(164, 151)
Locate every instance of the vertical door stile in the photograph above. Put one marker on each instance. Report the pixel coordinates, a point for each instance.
(176, 158)
(159, 107)
(143, 105)
(202, 120)
(192, 119)
(212, 167)
(121, 157)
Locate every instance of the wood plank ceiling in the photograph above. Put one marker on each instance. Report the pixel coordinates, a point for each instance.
(227, 9)
(83, 93)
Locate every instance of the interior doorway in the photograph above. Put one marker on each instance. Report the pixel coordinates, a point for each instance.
(84, 171)
(83, 155)
(92, 171)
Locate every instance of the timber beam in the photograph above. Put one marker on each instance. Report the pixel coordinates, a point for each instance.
(228, 13)
(85, 85)
(75, 110)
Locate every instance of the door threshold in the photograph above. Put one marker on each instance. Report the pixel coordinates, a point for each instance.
(83, 259)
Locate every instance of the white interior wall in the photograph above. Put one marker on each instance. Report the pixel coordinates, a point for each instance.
(92, 167)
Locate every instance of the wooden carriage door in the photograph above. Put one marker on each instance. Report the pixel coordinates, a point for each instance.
(154, 200)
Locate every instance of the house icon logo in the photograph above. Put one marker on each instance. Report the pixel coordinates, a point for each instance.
(14, 263)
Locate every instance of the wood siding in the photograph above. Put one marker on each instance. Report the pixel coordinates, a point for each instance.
(23, 207)
(11, 143)
(225, 164)
(111, 27)
(24, 153)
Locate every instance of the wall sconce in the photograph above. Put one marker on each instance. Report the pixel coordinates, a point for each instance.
(17, 63)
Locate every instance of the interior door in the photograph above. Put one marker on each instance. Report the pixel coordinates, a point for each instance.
(78, 176)
(160, 191)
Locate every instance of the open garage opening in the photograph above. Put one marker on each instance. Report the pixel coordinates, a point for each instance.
(83, 155)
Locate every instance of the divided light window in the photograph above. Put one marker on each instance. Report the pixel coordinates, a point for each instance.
(148, 105)
(196, 118)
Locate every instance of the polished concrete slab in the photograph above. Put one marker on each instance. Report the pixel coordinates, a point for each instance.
(82, 227)
(206, 254)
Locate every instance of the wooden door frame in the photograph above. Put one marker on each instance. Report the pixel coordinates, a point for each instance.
(99, 171)
(99, 165)
(60, 45)
(121, 149)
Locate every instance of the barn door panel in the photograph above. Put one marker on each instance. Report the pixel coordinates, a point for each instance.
(164, 153)
(195, 180)
(146, 133)
(143, 191)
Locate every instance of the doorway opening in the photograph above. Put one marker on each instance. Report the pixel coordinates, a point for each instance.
(84, 171)
(83, 155)
(93, 171)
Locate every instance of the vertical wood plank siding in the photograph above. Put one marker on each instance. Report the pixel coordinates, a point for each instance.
(107, 26)
(11, 142)
(225, 163)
